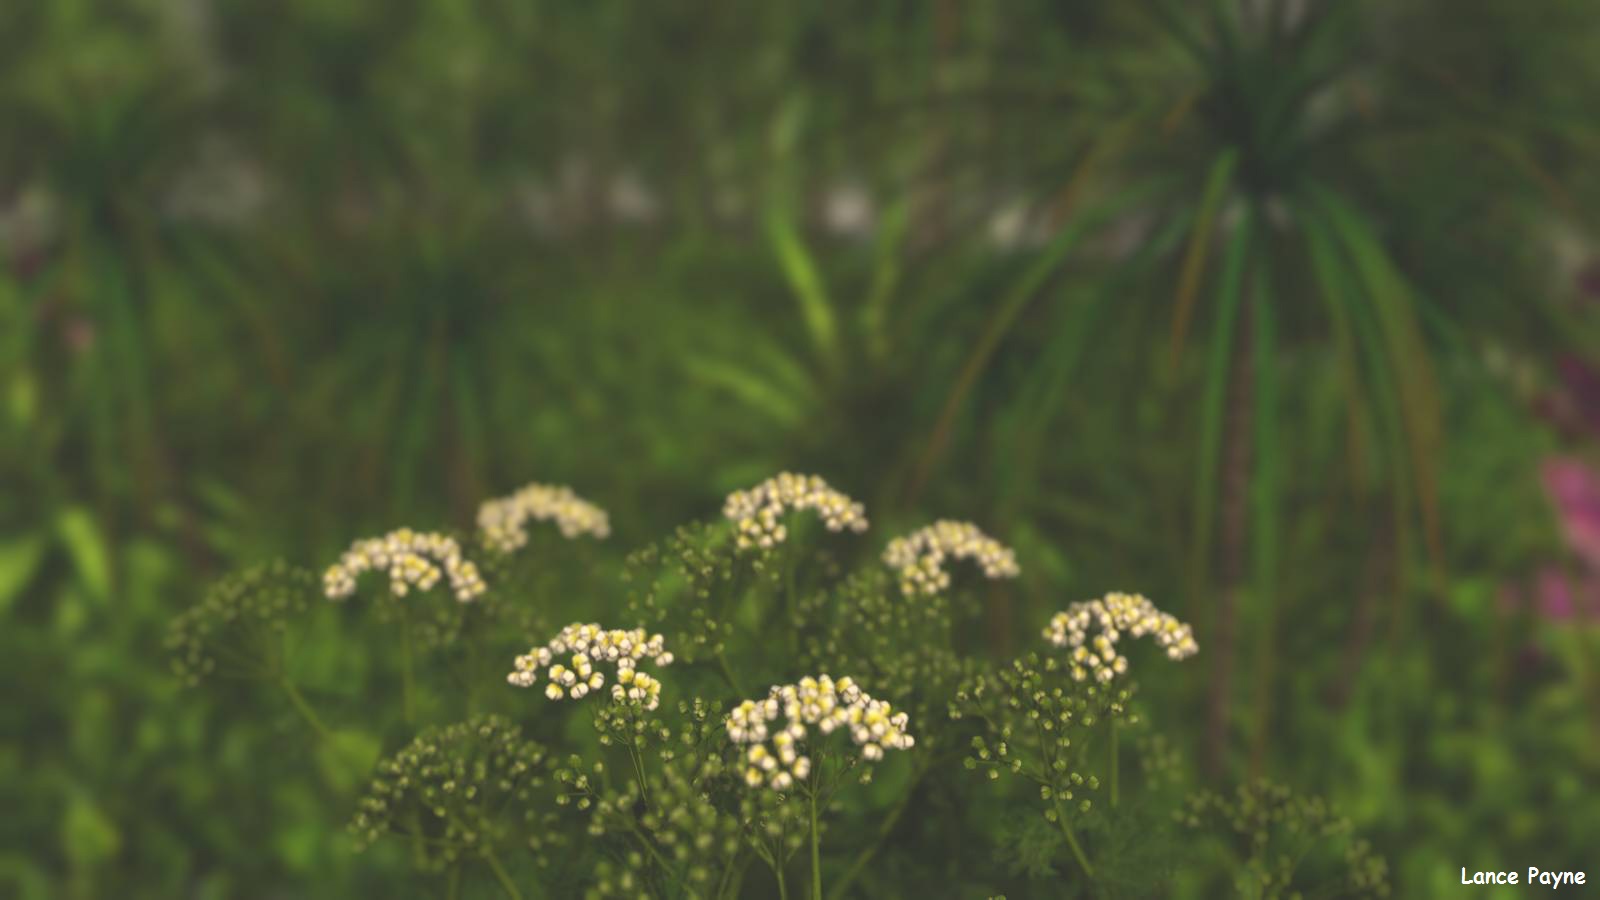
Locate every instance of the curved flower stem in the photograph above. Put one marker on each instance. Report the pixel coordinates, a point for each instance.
(500, 874)
(884, 830)
(727, 673)
(783, 890)
(306, 712)
(816, 852)
(1072, 839)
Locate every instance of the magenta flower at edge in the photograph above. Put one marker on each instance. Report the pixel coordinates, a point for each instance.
(1574, 489)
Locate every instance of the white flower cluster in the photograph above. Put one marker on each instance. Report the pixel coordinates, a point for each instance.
(589, 645)
(412, 559)
(758, 510)
(919, 557)
(503, 519)
(1112, 616)
(873, 725)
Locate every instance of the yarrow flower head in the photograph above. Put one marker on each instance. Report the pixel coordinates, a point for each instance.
(758, 511)
(413, 559)
(1111, 617)
(918, 558)
(585, 646)
(503, 520)
(774, 757)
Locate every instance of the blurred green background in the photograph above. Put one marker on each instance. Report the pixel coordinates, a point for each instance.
(1275, 310)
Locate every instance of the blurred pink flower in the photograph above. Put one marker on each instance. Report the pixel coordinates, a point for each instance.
(1559, 599)
(1574, 489)
(1555, 594)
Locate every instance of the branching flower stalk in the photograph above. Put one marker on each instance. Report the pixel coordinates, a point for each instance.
(780, 758)
(1033, 708)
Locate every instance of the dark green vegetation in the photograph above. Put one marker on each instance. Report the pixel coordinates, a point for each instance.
(1257, 307)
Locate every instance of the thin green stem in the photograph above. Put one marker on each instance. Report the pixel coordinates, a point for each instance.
(306, 712)
(884, 830)
(783, 890)
(655, 854)
(638, 773)
(1072, 839)
(789, 600)
(727, 673)
(816, 852)
(1114, 763)
(453, 884)
(500, 874)
(408, 686)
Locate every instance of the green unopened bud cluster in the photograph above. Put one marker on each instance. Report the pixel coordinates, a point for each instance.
(241, 621)
(1276, 830)
(458, 789)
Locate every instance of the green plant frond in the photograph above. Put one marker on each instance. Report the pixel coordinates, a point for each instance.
(1340, 286)
(1328, 288)
(1194, 258)
(1010, 307)
(1213, 404)
(1266, 496)
(804, 278)
(1396, 313)
(756, 392)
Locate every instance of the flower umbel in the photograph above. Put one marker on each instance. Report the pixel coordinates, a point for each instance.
(1117, 613)
(413, 560)
(774, 757)
(503, 520)
(589, 645)
(757, 511)
(918, 558)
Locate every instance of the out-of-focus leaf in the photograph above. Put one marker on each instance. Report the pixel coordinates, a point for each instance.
(347, 758)
(81, 536)
(756, 392)
(88, 835)
(19, 559)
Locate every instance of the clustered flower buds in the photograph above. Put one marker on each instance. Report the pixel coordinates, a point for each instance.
(460, 790)
(503, 519)
(405, 555)
(1097, 657)
(918, 558)
(241, 622)
(758, 511)
(589, 645)
(872, 724)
